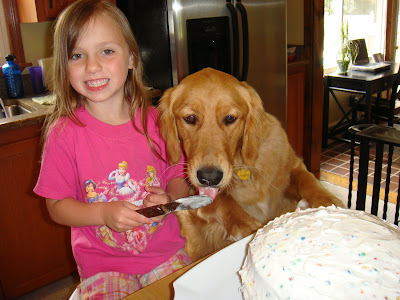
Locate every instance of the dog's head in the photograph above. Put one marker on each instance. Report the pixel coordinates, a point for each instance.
(218, 121)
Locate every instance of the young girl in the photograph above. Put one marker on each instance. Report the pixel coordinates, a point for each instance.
(101, 119)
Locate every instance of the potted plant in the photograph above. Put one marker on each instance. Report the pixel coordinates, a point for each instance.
(348, 50)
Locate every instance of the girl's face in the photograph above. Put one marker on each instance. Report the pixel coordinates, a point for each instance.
(98, 66)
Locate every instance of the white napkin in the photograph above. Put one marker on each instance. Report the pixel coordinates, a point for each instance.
(45, 100)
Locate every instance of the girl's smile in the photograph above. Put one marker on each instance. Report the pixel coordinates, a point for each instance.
(96, 85)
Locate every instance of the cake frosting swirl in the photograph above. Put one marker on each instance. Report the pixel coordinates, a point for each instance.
(323, 253)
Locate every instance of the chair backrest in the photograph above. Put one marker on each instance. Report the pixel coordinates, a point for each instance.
(395, 94)
(386, 142)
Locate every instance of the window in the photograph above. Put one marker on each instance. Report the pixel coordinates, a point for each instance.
(366, 19)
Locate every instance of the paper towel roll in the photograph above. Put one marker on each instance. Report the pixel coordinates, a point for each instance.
(46, 65)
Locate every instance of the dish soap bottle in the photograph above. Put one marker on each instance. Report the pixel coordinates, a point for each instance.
(12, 78)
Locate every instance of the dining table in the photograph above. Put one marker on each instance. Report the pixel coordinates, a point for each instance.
(365, 84)
(163, 289)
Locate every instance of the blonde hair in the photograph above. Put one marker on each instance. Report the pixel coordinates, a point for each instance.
(124, 165)
(150, 169)
(68, 28)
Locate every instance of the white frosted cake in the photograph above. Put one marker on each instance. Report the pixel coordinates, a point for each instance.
(324, 253)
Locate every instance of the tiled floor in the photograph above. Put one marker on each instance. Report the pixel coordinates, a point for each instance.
(59, 290)
(335, 159)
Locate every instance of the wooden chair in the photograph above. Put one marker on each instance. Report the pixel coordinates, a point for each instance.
(376, 136)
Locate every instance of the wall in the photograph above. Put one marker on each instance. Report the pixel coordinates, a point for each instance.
(4, 45)
(37, 39)
(295, 22)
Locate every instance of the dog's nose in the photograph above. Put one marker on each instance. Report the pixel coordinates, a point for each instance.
(209, 176)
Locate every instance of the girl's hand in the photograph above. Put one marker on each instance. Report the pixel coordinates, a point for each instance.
(121, 216)
(157, 196)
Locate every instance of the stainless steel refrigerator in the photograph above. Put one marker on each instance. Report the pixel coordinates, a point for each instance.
(244, 38)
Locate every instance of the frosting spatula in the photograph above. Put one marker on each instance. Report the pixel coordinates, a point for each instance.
(177, 205)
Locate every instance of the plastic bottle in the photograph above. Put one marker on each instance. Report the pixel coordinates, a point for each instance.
(12, 78)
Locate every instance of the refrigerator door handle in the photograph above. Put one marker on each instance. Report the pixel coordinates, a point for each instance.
(235, 34)
(245, 36)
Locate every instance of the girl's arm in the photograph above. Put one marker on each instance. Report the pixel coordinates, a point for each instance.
(120, 216)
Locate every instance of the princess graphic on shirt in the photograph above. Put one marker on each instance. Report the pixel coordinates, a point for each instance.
(90, 189)
(107, 236)
(152, 179)
(135, 240)
(121, 178)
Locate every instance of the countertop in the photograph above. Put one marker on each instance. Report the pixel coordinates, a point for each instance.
(37, 115)
(38, 112)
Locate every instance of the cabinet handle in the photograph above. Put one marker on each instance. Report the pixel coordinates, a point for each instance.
(51, 3)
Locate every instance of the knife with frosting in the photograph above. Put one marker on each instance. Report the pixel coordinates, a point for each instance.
(191, 202)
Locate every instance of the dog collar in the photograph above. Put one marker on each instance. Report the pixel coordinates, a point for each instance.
(244, 173)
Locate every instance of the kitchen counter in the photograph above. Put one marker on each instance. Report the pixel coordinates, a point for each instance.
(38, 112)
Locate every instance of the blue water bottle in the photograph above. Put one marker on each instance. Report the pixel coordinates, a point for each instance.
(12, 78)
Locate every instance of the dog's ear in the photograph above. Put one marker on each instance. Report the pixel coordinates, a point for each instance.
(252, 136)
(168, 129)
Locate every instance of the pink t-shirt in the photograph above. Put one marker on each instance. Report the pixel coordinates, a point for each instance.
(102, 162)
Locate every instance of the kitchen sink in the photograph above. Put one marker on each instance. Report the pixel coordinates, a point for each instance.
(16, 107)
(15, 110)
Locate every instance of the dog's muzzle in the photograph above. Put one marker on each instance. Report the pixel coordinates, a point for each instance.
(209, 176)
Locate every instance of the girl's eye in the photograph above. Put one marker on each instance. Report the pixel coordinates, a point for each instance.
(108, 52)
(76, 56)
(191, 120)
(229, 120)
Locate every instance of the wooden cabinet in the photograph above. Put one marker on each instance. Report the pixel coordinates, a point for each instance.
(34, 251)
(50, 9)
(30, 11)
(295, 106)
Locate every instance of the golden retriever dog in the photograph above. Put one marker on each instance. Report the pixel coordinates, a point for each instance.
(238, 154)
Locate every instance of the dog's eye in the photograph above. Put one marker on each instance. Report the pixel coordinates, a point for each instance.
(191, 120)
(229, 120)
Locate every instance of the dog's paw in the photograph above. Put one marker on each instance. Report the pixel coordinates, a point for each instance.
(239, 231)
(235, 238)
(303, 204)
(324, 201)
